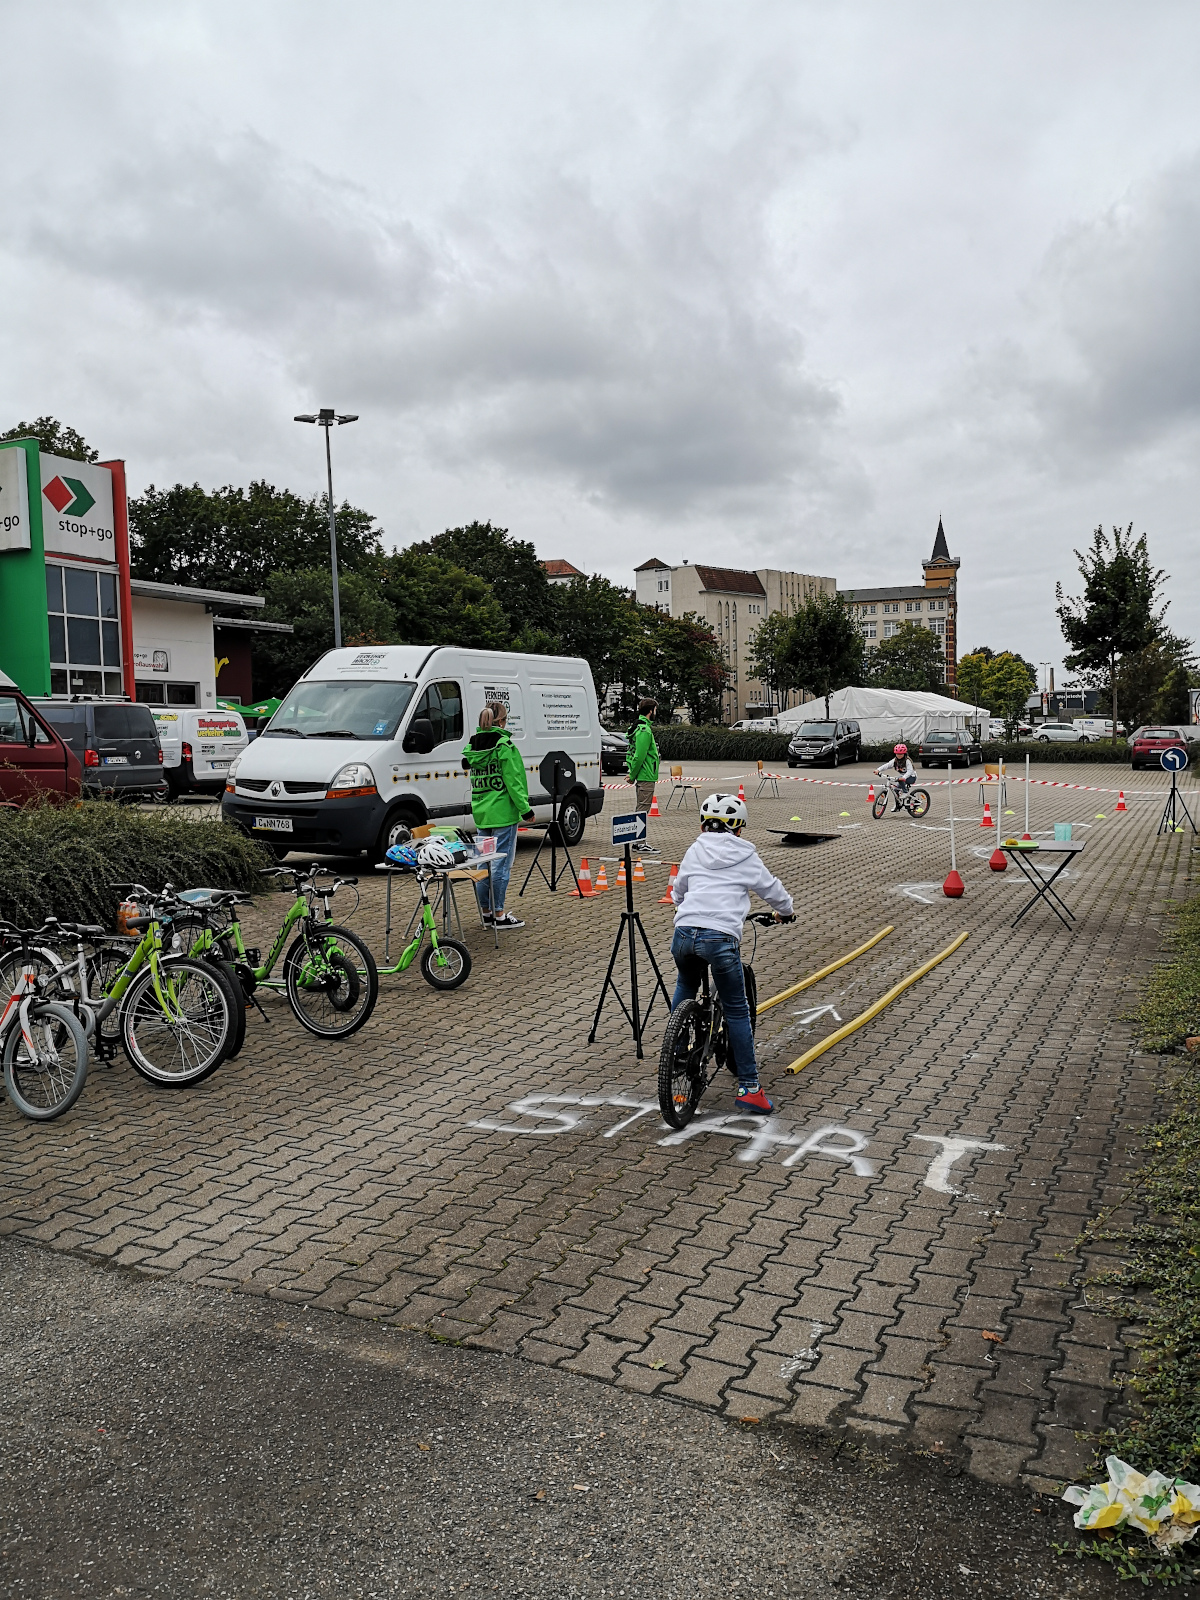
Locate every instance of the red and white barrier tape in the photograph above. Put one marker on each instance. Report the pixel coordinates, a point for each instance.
(926, 783)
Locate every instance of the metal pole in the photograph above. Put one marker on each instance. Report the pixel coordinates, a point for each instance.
(950, 797)
(337, 603)
(1027, 794)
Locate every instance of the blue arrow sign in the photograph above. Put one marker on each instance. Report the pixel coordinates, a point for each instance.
(1174, 759)
(629, 829)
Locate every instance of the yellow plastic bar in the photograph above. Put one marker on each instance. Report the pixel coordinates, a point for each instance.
(807, 983)
(863, 1017)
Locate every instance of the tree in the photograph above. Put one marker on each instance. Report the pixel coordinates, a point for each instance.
(825, 649)
(510, 566)
(914, 659)
(54, 438)
(234, 538)
(305, 599)
(768, 659)
(1142, 679)
(1115, 616)
(1175, 700)
(600, 622)
(433, 601)
(683, 664)
(971, 669)
(1002, 683)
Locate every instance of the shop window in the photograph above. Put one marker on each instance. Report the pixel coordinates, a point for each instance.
(182, 694)
(85, 636)
(150, 694)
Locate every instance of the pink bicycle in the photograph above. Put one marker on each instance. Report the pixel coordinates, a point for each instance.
(44, 1044)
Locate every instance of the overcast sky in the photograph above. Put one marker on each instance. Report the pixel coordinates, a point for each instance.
(754, 283)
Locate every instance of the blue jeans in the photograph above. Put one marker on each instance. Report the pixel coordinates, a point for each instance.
(693, 949)
(490, 891)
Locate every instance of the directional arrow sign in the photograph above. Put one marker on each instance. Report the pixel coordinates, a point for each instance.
(807, 1018)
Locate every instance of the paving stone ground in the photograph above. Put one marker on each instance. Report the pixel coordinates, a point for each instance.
(469, 1166)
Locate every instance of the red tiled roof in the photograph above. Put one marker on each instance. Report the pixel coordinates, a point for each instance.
(649, 566)
(729, 580)
(562, 569)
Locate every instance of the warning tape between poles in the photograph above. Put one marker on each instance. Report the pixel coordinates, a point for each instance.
(926, 783)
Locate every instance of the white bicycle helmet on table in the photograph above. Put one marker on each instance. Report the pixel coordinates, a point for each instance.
(723, 813)
(435, 856)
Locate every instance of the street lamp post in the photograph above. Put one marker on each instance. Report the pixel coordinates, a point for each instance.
(326, 419)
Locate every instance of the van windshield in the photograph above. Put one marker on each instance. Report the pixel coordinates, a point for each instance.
(358, 710)
(818, 730)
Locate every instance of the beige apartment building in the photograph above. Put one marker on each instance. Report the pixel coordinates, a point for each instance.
(933, 605)
(734, 603)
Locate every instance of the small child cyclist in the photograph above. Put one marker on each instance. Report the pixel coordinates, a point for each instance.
(712, 891)
(904, 770)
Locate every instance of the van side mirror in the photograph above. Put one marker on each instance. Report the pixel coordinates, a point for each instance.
(419, 738)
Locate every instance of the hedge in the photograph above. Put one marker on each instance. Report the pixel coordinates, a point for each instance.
(62, 861)
(683, 742)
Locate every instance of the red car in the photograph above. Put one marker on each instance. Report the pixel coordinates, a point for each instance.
(34, 761)
(1148, 745)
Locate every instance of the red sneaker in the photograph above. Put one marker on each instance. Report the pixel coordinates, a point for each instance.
(754, 1100)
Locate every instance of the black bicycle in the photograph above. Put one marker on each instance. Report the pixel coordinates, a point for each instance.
(914, 801)
(696, 1044)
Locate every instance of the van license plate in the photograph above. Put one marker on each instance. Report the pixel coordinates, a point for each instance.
(216, 764)
(116, 761)
(274, 824)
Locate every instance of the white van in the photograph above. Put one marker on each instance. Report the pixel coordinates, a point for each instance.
(199, 747)
(371, 740)
(1095, 727)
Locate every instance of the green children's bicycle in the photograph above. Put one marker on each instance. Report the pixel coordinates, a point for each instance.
(445, 962)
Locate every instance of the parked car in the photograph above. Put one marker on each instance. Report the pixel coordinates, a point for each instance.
(199, 747)
(613, 748)
(953, 746)
(34, 759)
(1060, 733)
(116, 743)
(1148, 744)
(815, 743)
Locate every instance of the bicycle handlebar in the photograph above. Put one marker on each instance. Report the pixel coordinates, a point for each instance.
(767, 919)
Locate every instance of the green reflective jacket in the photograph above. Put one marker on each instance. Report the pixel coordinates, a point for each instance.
(641, 759)
(499, 786)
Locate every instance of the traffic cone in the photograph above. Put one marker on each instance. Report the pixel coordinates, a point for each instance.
(987, 815)
(742, 793)
(1121, 806)
(654, 811)
(953, 886)
(998, 861)
(601, 883)
(666, 899)
(639, 872)
(584, 891)
(871, 793)
(621, 874)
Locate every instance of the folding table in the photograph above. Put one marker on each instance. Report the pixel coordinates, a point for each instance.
(1064, 848)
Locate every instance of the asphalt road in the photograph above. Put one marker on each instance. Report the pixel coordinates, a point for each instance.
(162, 1439)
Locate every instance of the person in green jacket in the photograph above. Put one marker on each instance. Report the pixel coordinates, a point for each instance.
(499, 800)
(641, 759)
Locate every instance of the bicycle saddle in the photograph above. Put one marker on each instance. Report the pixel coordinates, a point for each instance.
(85, 930)
(209, 897)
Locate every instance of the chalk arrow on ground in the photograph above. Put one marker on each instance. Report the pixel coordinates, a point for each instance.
(807, 1018)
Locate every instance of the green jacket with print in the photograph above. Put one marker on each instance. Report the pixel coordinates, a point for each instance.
(499, 786)
(641, 759)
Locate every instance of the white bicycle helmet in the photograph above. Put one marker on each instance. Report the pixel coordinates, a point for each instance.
(435, 856)
(724, 812)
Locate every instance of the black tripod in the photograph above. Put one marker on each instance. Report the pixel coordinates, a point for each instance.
(554, 834)
(1170, 822)
(630, 920)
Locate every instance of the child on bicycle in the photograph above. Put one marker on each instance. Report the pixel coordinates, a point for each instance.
(712, 892)
(905, 773)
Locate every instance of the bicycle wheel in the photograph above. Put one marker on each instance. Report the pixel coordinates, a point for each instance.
(448, 966)
(48, 1082)
(331, 980)
(103, 969)
(182, 1044)
(680, 1064)
(918, 802)
(879, 804)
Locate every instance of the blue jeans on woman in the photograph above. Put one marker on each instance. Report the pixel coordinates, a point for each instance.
(692, 949)
(490, 891)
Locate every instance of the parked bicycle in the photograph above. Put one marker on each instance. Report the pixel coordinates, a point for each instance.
(329, 975)
(446, 962)
(915, 801)
(696, 1043)
(44, 1044)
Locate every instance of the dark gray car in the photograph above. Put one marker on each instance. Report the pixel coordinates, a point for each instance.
(950, 747)
(820, 742)
(116, 742)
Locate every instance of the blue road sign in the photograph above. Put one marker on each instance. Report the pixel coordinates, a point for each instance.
(1174, 759)
(629, 829)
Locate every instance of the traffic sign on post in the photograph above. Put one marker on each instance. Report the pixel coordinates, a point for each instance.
(1174, 759)
(630, 828)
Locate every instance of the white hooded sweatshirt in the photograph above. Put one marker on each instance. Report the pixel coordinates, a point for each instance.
(716, 878)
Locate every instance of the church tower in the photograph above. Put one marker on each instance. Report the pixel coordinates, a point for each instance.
(941, 575)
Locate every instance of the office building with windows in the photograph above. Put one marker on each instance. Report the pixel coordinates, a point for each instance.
(932, 605)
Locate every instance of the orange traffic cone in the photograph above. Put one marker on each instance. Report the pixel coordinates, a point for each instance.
(742, 793)
(987, 815)
(639, 872)
(601, 883)
(666, 899)
(584, 891)
(654, 811)
(1121, 806)
(621, 875)
(871, 793)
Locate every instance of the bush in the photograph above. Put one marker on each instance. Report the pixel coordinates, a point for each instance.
(62, 861)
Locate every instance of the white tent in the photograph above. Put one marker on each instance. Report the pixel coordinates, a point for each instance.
(886, 714)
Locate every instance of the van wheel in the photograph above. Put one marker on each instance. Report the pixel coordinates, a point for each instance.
(390, 833)
(571, 820)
